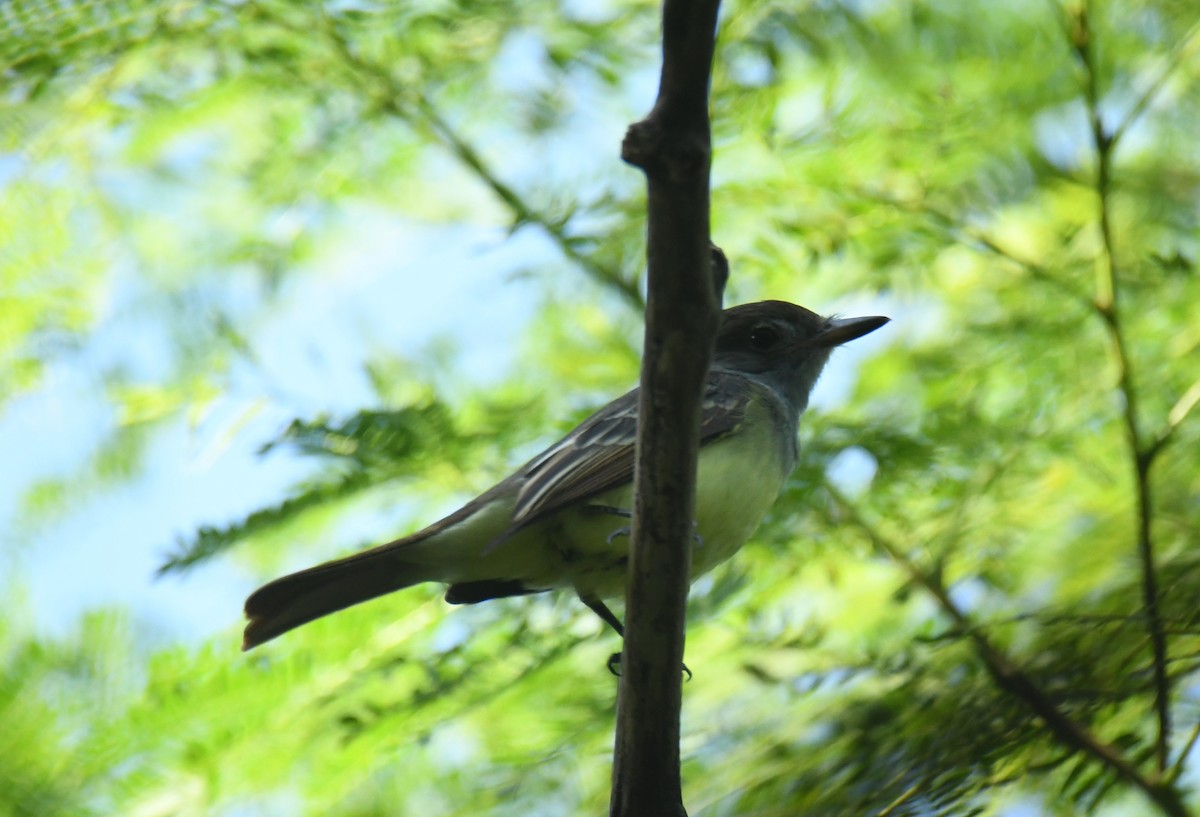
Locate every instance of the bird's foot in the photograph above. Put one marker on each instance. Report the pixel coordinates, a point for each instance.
(614, 666)
(625, 530)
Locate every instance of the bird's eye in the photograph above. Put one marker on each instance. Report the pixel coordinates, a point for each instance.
(763, 337)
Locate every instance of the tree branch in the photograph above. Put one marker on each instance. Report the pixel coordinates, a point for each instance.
(402, 102)
(1011, 678)
(523, 213)
(672, 146)
(1106, 304)
(1182, 50)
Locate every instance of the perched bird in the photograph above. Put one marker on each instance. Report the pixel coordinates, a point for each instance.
(551, 524)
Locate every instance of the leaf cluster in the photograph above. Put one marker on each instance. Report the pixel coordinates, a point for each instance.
(978, 587)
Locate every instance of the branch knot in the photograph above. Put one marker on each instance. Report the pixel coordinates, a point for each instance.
(672, 154)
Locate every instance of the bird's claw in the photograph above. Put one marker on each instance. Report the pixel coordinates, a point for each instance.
(614, 664)
(697, 539)
(624, 531)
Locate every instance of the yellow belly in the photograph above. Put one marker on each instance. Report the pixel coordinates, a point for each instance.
(739, 477)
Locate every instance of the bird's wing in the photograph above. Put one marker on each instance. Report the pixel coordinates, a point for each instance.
(598, 455)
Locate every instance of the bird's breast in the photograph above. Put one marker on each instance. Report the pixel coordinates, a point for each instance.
(738, 480)
(739, 476)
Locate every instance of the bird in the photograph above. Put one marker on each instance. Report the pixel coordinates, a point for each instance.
(552, 523)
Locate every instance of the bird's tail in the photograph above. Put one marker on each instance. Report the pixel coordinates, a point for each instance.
(301, 597)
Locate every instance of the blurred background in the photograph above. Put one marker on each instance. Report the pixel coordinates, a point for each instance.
(280, 280)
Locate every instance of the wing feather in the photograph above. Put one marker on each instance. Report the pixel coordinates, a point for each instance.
(599, 455)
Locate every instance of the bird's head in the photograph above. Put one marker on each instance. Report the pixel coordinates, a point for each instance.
(783, 343)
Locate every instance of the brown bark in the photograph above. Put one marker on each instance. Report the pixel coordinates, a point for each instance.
(672, 145)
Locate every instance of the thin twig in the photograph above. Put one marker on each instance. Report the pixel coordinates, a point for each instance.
(403, 103)
(1178, 413)
(523, 213)
(1107, 305)
(1181, 761)
(1181, 51)
(907, 795)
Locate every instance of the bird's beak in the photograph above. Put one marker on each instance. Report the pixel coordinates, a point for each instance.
(844, 330)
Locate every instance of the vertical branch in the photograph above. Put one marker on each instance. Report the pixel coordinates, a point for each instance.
(672, 146)
(1141, 455)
